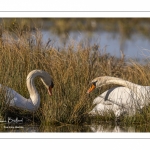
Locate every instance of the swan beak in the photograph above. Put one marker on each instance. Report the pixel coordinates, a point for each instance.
(50, 91)
(91, 88)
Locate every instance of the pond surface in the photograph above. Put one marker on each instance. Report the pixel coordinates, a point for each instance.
(137, 47)
(74, 128)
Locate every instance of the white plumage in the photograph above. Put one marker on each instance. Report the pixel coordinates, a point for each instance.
(126, 99)
(16, 100)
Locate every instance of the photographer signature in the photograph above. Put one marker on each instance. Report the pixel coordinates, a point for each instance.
(10, 120)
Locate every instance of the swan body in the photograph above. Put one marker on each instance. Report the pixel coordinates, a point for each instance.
(16, 100)
(126, 99)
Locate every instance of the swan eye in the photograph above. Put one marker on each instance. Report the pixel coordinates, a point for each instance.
(94, 83)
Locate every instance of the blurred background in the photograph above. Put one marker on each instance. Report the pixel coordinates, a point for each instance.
(120, 37)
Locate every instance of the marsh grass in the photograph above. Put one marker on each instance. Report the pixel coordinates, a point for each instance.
(72, 68)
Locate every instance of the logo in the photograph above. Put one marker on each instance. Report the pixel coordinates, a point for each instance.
(11, 121)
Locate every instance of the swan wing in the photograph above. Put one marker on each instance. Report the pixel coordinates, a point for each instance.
(16, 100)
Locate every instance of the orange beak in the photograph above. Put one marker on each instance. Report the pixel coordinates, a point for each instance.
(91, 88)
(50, 91)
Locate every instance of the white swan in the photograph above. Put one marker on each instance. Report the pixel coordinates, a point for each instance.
(119, 99)
(16, 100)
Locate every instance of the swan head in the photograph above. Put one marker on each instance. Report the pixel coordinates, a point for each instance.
(48, 82)
(96, 83)
(49, 85)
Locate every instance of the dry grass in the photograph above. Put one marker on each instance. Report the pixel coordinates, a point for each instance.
(72, 68)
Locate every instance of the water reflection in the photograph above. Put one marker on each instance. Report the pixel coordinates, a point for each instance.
(94, 127)
(75, 128)
(66, 128)
(110, 128)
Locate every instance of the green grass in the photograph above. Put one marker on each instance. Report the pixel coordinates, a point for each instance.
(72, 68)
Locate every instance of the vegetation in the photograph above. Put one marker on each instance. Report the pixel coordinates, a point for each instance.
(62, 26)
(72, 68)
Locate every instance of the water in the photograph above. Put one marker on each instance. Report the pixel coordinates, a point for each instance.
(137, 47)
(94, 127)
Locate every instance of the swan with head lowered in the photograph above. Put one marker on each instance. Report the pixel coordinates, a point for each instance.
(16, 100)
(126, 99)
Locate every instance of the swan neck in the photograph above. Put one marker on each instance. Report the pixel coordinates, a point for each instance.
(34, 95)
(130, 85)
